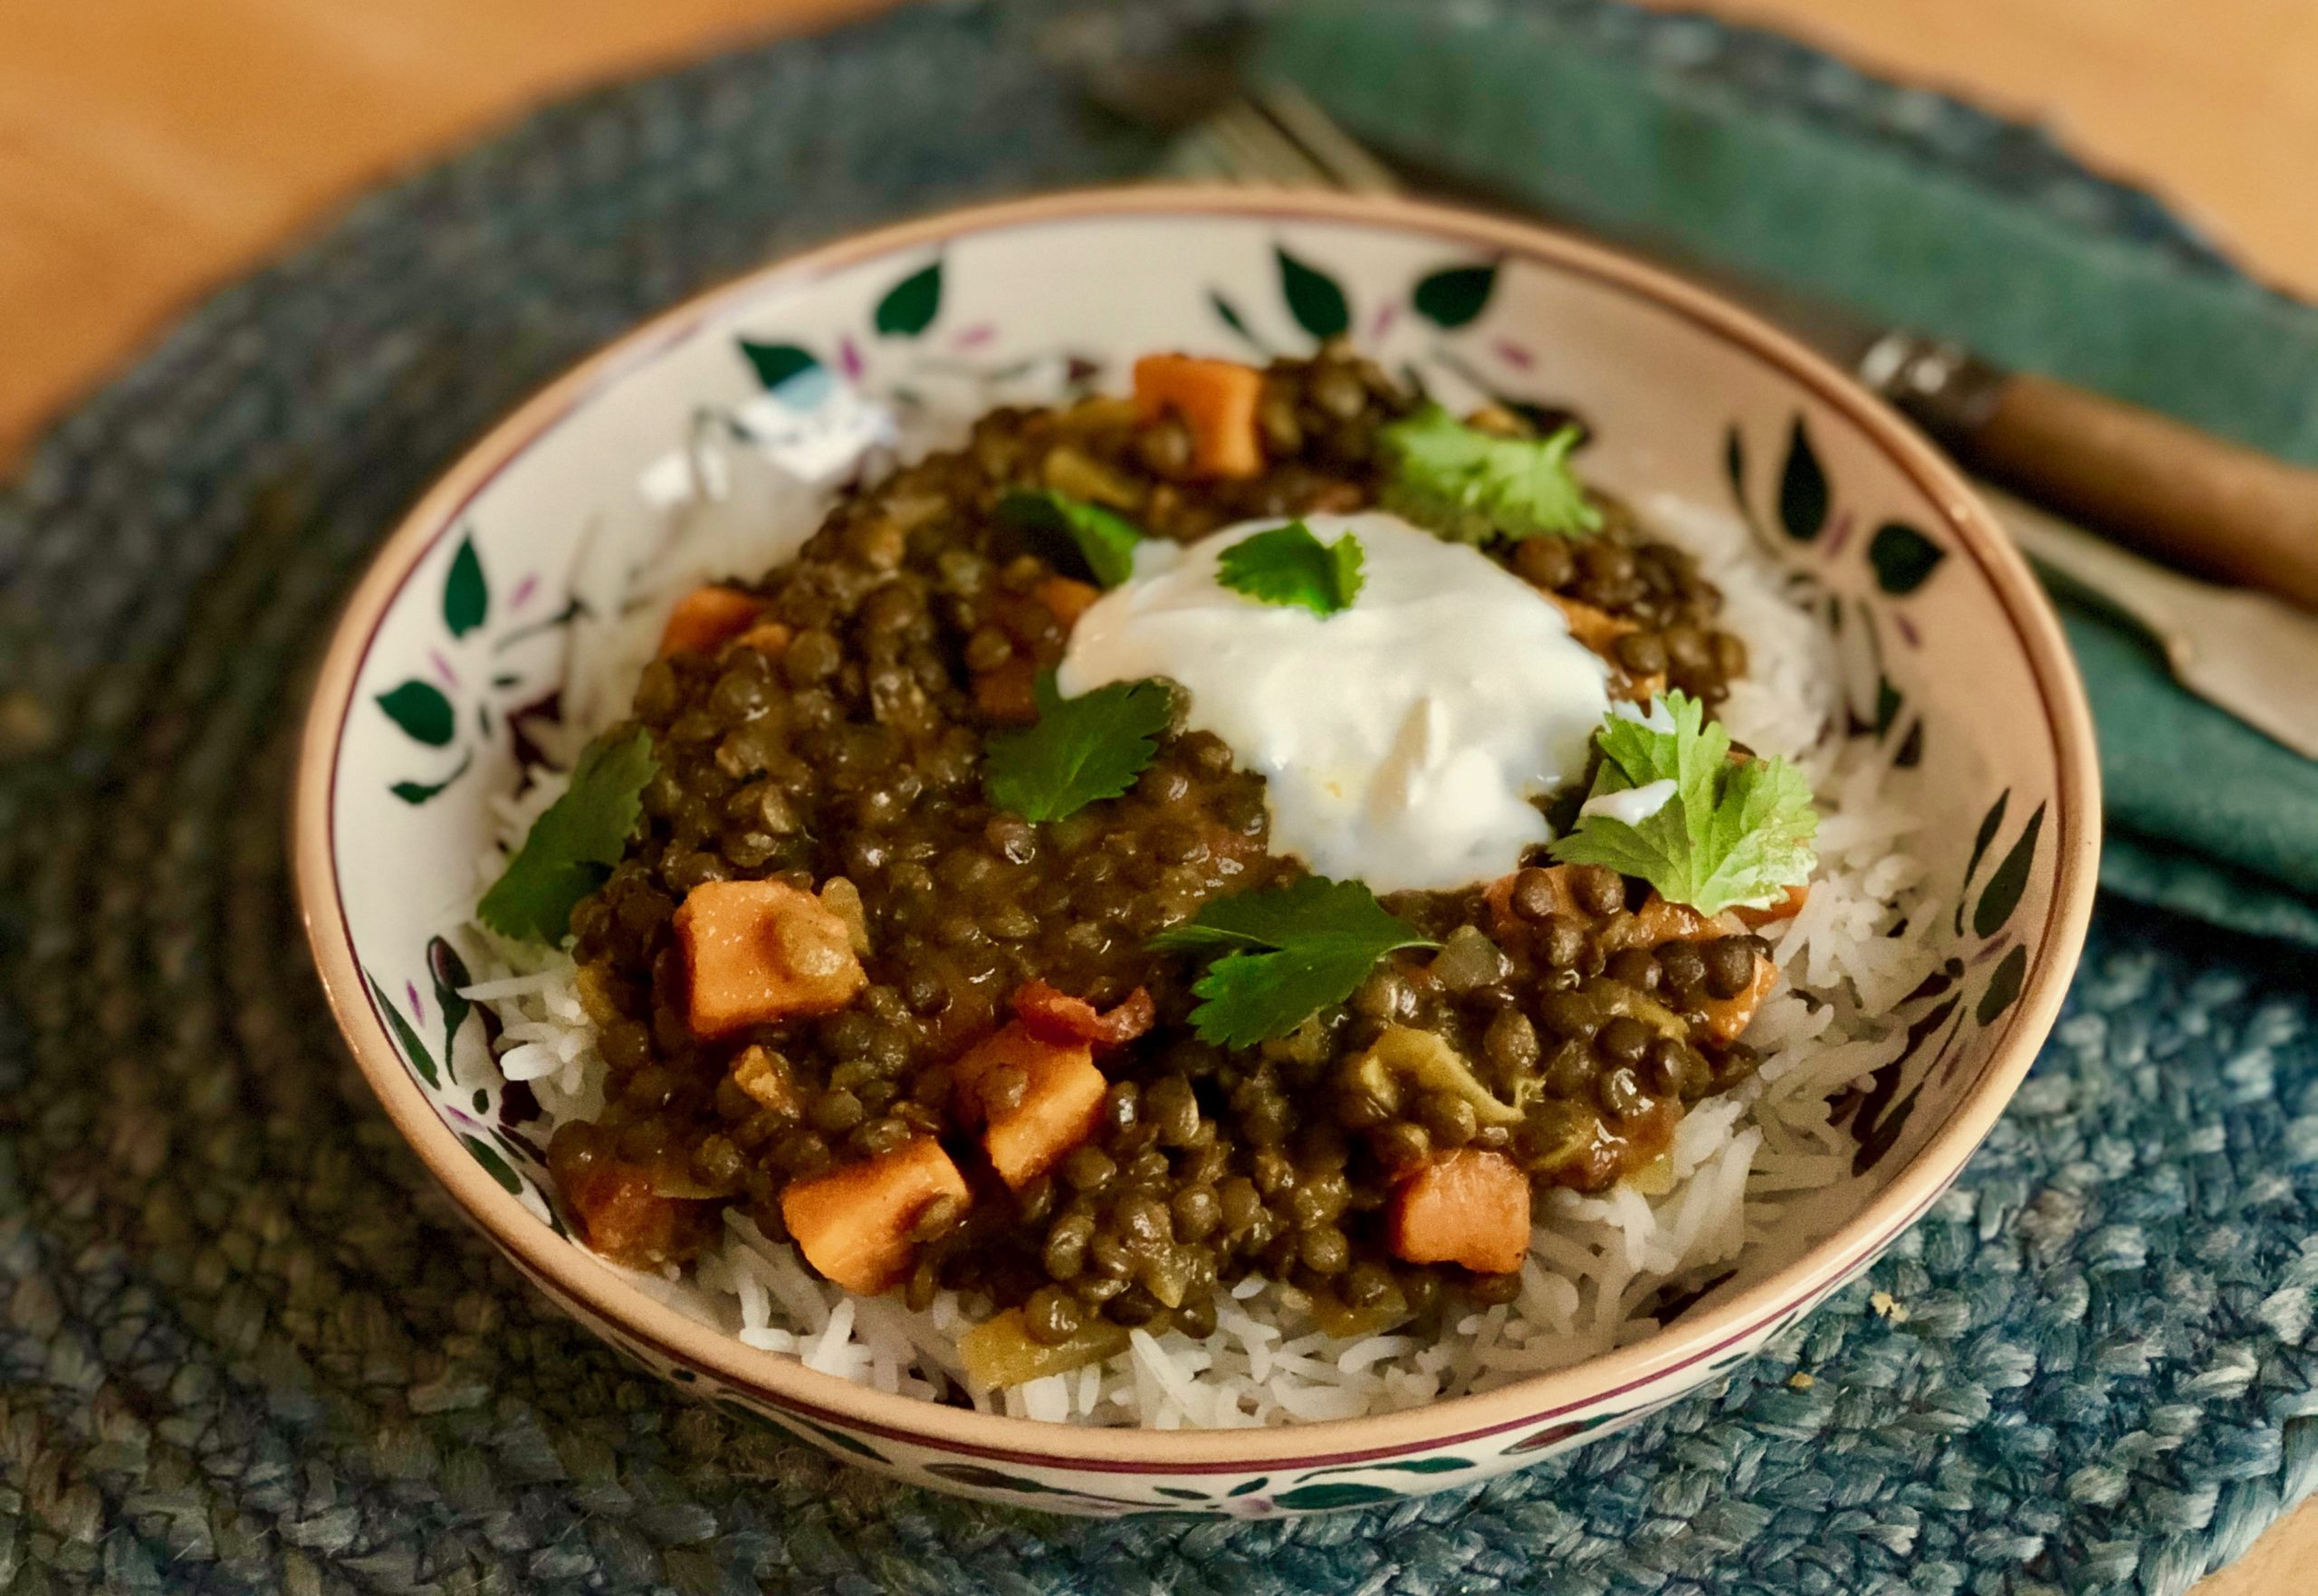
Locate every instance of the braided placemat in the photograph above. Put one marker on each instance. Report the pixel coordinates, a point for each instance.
(244, 1344)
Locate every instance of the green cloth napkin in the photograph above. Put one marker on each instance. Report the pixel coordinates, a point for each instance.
(2206, 815)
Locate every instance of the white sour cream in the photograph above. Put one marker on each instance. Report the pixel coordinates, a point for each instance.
(1400, 741)
(1634, 806)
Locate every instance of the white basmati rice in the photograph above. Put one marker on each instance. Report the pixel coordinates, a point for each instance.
(1752, 1170)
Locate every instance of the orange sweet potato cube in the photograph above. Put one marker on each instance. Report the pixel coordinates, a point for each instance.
(709, 617)
(766, 637)
(1786, 908)
(1009, 694)
(1217, 401)
(1059, 1106)
(758, 951)
(623, 1217)
(1728, 1018)
(1470, 1208)
(1067, 597)
(1595, 628)
(853, 1223)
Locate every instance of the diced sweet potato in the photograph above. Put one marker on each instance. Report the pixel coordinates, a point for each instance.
(1056, 1017)
(1786, 908)
(1217, 401)
(766, 637)
(1498, 896)
(854, 1223)
(1726, 1018)
(709, 617)
(1470, 1208)
(1068, 598)
(1660, 921)
(757, 952)
(764, 1077)
(1057, 1108)
(1598, 629)
(1009, 693)
(622, 1217)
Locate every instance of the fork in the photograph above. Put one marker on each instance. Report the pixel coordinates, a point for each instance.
(2240, 650)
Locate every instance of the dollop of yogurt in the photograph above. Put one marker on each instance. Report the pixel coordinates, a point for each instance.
(1401, 740)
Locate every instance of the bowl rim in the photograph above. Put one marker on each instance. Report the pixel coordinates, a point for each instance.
(576, 1276)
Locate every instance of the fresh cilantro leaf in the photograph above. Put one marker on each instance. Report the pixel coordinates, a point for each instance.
(1729, 833)
(1104, 540)
(1290, 566)
(574, 844)
(1079, 749)
(1288, 953)
(1470, 486)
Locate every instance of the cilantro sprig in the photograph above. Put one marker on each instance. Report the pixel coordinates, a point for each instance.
(574, 843)
(1104, 538)
(1286, 953)
(1289, 565)
(1731, 833)
(1079, 749)
(1471, 486)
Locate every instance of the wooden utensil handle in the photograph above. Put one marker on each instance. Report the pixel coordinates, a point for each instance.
(2181, 494)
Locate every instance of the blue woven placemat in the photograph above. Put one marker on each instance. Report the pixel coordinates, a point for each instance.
(244, 1345)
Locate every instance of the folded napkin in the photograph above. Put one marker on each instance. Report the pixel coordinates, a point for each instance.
(2004, 246)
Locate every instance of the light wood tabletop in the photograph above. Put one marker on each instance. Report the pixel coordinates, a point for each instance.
(150, 150)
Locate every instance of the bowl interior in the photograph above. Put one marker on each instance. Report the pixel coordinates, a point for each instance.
(455, 654)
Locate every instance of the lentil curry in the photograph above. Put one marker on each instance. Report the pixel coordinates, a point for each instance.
(931, 1040)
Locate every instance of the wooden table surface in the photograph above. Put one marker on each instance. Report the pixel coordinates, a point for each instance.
(151, 150)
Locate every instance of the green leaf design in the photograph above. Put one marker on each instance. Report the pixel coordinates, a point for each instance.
(1308, 1498)
(1313, 298)
(1887, 705)
(1903, 558)
(419, 792)
(776, 363)
(1990, 823)
(1802, 488)
(466, 595)
(1911, 752)
(488, 1157)
(1454, 296)
(422, 712)
(2004, 986)
(1248, 1487)
(1230, 314)
(910, 306)
(1177, 1493)
(839, 1438)
(1405, 1466)
(414, 1051)
(448, 972)
(2010, 878)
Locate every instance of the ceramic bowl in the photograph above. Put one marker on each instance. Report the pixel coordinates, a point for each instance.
(1955, 666)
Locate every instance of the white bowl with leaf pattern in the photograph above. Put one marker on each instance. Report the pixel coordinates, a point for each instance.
(455, 630)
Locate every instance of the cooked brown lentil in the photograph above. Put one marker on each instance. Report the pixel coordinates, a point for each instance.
(916, 626)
